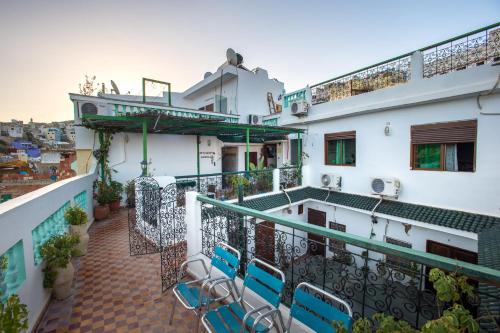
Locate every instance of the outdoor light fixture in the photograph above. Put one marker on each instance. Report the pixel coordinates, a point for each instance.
(144, 167)
(387, 129)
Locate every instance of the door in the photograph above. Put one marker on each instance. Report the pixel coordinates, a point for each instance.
(316, 243)
(253, 158)
(269, 152)
(264, 241)
(229, 159)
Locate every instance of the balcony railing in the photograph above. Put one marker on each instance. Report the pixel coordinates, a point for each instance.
(290, 177)
(372, 276)
(224, 186)
(474, 49)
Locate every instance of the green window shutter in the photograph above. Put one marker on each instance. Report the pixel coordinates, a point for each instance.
(428, 156)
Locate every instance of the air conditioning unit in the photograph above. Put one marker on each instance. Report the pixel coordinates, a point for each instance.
(299, 108)
(92, 108)
(254, 119)
(389, 187)
(333, 182)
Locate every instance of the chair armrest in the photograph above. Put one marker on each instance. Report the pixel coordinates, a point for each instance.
(271, 314)
(218, 281)
(181, 268)
(251, 312)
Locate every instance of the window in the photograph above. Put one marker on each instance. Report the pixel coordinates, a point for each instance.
(220, 104)
(444, 146)
(301, 209)
(208, 107)
(340, 148)
(333, 244)
(394, 260)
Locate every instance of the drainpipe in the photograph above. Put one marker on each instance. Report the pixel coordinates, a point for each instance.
(374, 219)
(247, 166)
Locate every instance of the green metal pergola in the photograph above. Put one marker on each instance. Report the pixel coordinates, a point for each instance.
(159, 123)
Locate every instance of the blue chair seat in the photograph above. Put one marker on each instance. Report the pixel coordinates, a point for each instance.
(228, 319)
(192, 295)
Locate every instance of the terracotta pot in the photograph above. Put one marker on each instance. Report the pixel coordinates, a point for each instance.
(64, 280)
(101, 212)
(114, 206)
(81, 231)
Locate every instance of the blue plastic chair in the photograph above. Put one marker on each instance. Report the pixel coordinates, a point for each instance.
(239, 316)
(316, 313)
(193, 294)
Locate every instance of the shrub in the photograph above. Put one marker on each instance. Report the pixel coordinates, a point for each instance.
(75, 215)
(57, 253)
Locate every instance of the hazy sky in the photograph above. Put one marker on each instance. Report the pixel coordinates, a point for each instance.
(46, 47)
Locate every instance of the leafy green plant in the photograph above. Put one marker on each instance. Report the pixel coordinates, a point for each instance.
(104, 194)
(13, 314)
(75, 215)
(116, 190)
(57, 253)
(236, 181)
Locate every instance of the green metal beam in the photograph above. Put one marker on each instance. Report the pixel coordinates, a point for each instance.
(247, 166)
(478, 272)
(101, 158)
(145, 146)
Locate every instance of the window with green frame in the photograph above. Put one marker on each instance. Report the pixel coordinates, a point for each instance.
(446, 146)
(340, 148)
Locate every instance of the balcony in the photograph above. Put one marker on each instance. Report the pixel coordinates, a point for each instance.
(124, 282)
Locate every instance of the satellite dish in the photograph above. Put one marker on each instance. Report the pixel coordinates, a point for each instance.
(115, 87)
(239, 59)
(207, 74)
(231, 57)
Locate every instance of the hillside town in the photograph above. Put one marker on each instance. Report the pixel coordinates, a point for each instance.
(33, 155)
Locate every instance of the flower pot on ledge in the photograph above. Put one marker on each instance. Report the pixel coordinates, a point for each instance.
(114, 206)
(64, 280)
(101, 212)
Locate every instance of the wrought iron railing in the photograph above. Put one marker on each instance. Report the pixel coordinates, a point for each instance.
(381, 75)
(290, 177)
(473, 49)
(224, 186)
(352, 267)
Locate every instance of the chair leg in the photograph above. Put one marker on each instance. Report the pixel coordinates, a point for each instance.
(173, 310)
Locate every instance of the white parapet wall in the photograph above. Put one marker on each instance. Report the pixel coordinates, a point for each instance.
(28, 220)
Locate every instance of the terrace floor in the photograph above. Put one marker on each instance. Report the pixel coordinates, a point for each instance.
(113, 291)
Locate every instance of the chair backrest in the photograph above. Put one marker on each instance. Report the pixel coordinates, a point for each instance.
(226, 259)
(316, 313)
(264, 284)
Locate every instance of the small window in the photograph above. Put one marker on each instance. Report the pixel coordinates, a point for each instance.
(340, 148)
(301, 209)
(208, 107)
(335, 245)
(395, 260)
(444, 146)
(220, 104)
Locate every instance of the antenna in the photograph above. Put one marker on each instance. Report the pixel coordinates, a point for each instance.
(115, 87)
(231, 56)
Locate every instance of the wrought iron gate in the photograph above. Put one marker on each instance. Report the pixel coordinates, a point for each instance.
(157, 225)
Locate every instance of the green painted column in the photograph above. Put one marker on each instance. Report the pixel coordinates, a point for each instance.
(247, 166)
(198, 162)
(101, 158)
(299, 156)
(145, 146)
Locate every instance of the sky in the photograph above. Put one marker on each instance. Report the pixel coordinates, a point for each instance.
(47, 47)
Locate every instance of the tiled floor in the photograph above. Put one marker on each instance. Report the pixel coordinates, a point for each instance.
(114, 292)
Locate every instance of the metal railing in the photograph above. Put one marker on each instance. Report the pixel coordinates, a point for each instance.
(224, 186)
(355, 268)
(473, 49)
(381, 75)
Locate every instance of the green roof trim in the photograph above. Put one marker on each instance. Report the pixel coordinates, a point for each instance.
(454, 219)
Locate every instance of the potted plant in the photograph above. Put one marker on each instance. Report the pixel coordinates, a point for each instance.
(58, 272)
(103, 197)
(116, 195)
(130, 191)
(13, 314)
(77, 219)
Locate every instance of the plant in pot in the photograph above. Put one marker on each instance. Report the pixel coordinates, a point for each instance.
(130, 191)
(13, 314)
(58, 272)
(77, 219)
(116, 195)
(103, 197)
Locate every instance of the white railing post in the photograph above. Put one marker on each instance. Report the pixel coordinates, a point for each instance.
(193, 223)
(276, 180)
(417, 66)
